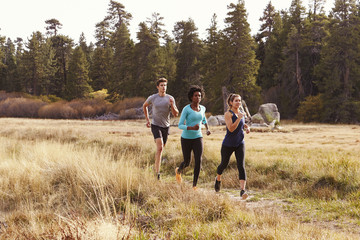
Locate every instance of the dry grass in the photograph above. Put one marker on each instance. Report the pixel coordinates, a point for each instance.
(68, 179)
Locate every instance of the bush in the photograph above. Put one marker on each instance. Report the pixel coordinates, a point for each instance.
(76, 109)
(4, 95)
(100, 94)
(49, 98)
(127, 103)
(20, 107)
(311, 109)
(58, 110)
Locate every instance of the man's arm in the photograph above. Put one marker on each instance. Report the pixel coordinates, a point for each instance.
(146, 113)
(174, 110)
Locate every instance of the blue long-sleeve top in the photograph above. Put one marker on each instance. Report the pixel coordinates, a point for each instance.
(190, 118)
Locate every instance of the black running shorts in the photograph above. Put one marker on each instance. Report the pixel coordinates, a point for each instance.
(160, 132)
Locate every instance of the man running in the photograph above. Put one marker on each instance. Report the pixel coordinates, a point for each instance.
(162, 105)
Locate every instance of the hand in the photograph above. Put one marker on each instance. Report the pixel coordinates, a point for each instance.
(196, 127)
(248, 130)
(171, 100)
(148, 124)
(208, 132)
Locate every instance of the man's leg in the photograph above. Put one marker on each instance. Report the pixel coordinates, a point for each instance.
(158, 154)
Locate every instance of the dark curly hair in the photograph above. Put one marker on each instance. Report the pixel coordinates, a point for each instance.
(193, 89)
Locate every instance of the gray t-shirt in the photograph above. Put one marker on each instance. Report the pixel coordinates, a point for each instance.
(160, 109)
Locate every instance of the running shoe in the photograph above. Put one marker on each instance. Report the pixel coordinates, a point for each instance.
(178, 176)
(158, 176)
(217, 185)
(243, 194)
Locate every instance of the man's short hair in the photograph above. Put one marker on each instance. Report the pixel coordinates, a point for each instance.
(160, 80)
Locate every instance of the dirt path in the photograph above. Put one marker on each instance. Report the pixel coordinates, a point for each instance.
(279, 206)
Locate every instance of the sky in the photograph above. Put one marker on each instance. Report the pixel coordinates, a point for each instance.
(20, 18)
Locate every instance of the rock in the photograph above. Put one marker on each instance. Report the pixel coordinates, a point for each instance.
(221, 119)
(213, 121)
(216, 120)
(107, 116)
(257, 119)
(269, 112)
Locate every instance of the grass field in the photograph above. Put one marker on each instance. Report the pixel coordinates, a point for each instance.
(68, 179)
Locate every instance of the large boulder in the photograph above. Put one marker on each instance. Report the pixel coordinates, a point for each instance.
(216, 120)
(268, 113)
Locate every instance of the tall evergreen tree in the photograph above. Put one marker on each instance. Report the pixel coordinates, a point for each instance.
(188, 53)
(53, 26)
(238, 62)
(268, 47)
(210, 67)
(63, 47)
(101, 65)
(78, 83)
(291, 76)
(11, 79)
(339, 65)
(122, 68)
(2, 63)
(315, 33)
(37, 65)
(148, 60)
(168, 56)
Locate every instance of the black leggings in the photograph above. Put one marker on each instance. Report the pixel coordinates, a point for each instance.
(240, 159)
(196, 145)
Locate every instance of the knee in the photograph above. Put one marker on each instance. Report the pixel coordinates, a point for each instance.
(160, 148)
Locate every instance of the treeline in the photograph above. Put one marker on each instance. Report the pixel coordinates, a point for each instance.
(305, 61)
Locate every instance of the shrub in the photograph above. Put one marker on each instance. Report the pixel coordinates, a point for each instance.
(127, 103)
(49, 98)
(311, 109)
(76, 109)
(100, 94)
(4, 95)
(89, 107)
(58, 110)
(20, 107)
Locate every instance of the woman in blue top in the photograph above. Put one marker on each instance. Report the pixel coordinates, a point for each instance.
(234, 142)
(192, 116)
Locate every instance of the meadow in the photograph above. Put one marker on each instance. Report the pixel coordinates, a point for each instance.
(74, 179)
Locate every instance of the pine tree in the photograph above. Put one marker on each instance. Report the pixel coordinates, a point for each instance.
(339, 65)
(148, 60)
(238, 62)
(53, 26)
(37, 65)
(78, 83)
(210, 68)
(188, 52)
(2, 63)
(100, 71)
(10, 75)
(101, 65)
(63, 47)
(122, 68)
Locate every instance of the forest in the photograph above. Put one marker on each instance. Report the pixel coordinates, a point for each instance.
(303, 59)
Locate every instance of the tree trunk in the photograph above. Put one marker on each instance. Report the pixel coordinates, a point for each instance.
(346, 82)
(298, 76)
(225, 94)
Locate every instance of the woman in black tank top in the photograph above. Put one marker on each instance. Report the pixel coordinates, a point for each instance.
(234, 142)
